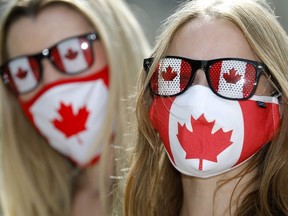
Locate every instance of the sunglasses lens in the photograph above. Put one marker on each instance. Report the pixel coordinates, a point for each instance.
(21, 74)
(73, 56)
(171, 76)
(232, 79)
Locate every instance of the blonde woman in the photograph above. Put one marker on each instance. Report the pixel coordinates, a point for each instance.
(212, 113)
(66, 68)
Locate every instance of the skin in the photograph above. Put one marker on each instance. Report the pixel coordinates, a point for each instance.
(29, 35)
(205, 39)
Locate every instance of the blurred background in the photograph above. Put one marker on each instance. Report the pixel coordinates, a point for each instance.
(152, 13)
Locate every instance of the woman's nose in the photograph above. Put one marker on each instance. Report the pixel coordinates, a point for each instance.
(200, 78)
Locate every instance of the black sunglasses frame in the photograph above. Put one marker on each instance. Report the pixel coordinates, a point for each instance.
(205, 66)
(46, 53)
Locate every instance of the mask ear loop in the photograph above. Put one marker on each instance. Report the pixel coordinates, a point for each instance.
(278, 94)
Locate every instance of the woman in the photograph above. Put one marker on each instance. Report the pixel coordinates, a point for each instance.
(213, 96)
(66, 66)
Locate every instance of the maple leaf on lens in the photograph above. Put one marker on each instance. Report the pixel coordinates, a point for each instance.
(21, 74)
(232, 77)
(169, 75)
(71, 54)
(71, 124)
(201, 143)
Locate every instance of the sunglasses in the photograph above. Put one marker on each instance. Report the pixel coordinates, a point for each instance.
(229, 78)
(70, 56)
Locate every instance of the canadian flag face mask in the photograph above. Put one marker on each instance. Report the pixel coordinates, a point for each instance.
(205, 135)
(70, 114)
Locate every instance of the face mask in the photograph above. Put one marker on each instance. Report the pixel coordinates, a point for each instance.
(205, 135)
(70, 113)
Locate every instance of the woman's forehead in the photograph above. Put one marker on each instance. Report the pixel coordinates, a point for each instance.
(205, 39)
(52, 24)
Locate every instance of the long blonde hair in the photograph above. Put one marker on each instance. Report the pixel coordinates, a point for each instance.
(153, 185)
(36, 179)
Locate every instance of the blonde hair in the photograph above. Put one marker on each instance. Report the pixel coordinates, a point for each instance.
(153, 185)
(36, 179)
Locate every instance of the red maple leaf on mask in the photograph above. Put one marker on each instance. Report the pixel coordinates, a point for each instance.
(232, 76)
(201, 143)
(71, 124)
(21, 74)
(169, 75)
(71, 54)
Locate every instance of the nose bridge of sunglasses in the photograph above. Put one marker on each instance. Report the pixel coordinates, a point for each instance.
(203, 65)
(45, 52)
